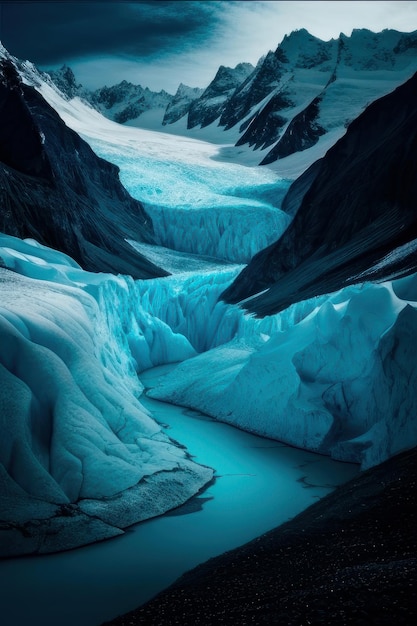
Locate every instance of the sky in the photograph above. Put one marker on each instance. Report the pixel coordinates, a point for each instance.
(160, 43)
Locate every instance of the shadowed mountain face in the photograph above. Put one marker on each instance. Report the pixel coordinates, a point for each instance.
(214, 99)
(55, 189)
(355, 213)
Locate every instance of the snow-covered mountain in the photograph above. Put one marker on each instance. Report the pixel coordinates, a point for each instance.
(126, 101)
(66, 82)
(301, 96)
(121, 102)
(214, 99)
(309, 88)
(180, 104)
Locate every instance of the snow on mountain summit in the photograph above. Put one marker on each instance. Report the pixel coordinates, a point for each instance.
(298, 98)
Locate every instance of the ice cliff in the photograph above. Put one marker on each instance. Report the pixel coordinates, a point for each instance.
(334, 377)
(80, 458)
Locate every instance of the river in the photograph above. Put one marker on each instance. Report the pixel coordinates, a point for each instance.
(259, 484)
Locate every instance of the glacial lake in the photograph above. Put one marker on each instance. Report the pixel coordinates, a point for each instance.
(259, 484)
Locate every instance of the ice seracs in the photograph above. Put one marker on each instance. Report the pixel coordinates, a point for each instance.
(334, 379)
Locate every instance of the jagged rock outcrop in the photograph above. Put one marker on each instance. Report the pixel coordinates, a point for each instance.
(255, 88)
(55, 189)
(215, 98)
(319, 87)
(355, 215)
(180, 104)
(65, 80)
(125, 101)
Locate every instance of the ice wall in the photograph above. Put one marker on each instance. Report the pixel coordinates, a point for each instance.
(334, 374)
(80, 458)
(173, 319)
(338, 381)
(198, 205)
(229, 231)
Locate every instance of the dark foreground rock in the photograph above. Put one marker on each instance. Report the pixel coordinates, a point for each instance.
(351, 558)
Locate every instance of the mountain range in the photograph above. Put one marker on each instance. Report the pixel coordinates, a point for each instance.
(355, 217)
(304, 93)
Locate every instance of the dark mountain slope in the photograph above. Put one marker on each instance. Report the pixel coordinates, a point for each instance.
(54, 188)
(353, 208)
(351, 558)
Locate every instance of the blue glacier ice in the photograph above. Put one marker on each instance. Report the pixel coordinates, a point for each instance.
(335, 379)
(203, 208)
(80, 457)
(331, 374)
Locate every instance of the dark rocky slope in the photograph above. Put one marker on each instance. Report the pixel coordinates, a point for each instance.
(351, 558)
(210, 105)
(55, 189)
(352, 208)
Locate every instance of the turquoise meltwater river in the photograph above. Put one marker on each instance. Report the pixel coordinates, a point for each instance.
(259, 484)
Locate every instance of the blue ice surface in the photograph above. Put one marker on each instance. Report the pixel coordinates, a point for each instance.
(226, 211)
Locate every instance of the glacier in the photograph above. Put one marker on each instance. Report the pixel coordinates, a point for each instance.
(321, 375)
(336, 381)
(331, 374)
(80, 457)
(197, 204)
(201, 207)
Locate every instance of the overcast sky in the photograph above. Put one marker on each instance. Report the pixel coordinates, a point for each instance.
(161, 43)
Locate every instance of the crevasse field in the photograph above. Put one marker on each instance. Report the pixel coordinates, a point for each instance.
(313, 376)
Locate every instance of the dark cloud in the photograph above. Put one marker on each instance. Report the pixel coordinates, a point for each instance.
(51, 32)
